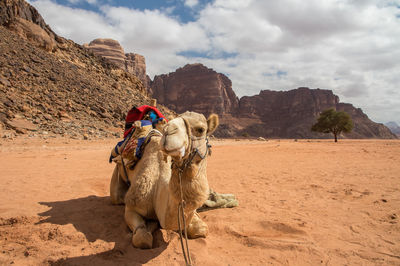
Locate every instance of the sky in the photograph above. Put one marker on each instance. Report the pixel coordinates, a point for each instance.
(351, 47)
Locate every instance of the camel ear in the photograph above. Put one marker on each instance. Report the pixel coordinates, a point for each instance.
(212, 123)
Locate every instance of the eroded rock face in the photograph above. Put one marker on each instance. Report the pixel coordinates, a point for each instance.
(114, 52)
(136, 64)
(12, 9)
(195, 87)
(285, 113)
(363, 126)
(109, 49)
(290, 114)
(25, 20)
(34, 33)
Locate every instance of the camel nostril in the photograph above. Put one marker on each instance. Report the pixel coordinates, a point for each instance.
(171, 132)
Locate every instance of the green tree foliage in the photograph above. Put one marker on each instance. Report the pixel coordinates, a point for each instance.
(333, 122)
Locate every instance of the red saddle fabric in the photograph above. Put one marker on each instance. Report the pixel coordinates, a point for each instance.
(137, 113)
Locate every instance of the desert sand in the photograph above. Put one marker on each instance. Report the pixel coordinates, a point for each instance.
(306, 202)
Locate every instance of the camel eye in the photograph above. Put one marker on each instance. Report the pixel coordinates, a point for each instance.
(200, 130)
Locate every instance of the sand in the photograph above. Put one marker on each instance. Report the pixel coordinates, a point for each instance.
(301, 203)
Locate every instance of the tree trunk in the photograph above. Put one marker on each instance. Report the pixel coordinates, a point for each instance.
(335, 134)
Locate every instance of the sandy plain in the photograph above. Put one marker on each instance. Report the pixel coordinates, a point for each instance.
(306, 202)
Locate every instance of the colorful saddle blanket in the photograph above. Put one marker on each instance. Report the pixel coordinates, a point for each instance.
(139, 124)
(130, 147)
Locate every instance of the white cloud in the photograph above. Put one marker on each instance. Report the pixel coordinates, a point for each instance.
(349, 46)
(79, 25)
(191, 3)
(156, 36)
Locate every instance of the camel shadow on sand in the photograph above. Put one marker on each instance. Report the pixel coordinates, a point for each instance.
(97, 219)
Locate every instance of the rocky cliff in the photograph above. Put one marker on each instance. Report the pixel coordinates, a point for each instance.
(65, 91)
(196, 88)
(23, 19)
(113, 52)
(290, 114)
(363, 126)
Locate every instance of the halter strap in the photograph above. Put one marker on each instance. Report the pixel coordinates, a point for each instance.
(191, 152)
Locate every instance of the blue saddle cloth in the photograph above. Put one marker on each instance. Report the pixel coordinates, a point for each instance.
(118, 148)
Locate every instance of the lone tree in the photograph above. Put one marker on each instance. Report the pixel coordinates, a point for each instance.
(333, 122)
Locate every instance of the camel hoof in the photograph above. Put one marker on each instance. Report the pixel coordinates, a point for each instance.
(142, 239)
(197, 231)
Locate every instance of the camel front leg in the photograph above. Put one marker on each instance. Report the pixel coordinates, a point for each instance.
(197, 228)
(142, 238)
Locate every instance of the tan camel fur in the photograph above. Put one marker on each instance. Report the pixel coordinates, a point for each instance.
(154, 193)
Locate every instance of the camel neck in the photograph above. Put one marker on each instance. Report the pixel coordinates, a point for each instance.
(194, 183)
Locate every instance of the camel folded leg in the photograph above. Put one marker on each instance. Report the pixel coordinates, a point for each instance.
(197, 228)
(142, 235)
(118, 187)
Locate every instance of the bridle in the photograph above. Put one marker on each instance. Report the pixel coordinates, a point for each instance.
(190, 151)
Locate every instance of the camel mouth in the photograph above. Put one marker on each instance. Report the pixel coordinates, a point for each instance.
(171, 149)
(179, 152)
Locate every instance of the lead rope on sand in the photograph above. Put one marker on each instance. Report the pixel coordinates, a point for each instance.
(181, 216)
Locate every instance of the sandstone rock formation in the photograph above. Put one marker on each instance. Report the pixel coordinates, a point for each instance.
(290, 114)
(109, 49)
(363, 126)
(113, 52)
(136, 64)
(197, 88)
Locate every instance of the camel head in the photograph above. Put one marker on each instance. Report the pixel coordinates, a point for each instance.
(187, 132)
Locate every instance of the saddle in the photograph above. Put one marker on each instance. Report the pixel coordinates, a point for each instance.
(141, 124)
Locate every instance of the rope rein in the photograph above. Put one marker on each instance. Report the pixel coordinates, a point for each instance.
(181, 216)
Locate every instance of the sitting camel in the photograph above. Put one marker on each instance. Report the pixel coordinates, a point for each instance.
(155, 191)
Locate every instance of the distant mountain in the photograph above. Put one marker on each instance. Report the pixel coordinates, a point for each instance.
(394, 127)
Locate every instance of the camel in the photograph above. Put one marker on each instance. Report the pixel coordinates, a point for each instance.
(155, 193)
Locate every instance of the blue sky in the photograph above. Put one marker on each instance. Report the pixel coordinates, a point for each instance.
(349, 46)
(184, 11)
